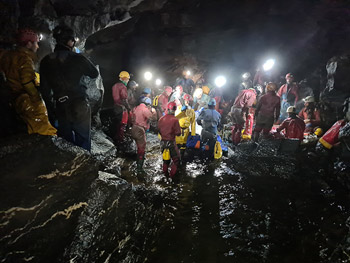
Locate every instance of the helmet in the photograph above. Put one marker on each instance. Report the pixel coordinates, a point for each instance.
(212, 102)
(25, 35)
(124, 74)
(168, 89)
(146, 100)
(271, 86)
(318, 132)
(179, 88)
(171, 106)
(187, 97)
(246, 75)
(132, 83)
(289, 76)
(146, 91)
(63, 34)
(205, 89)
(309, 99)
(291, 109)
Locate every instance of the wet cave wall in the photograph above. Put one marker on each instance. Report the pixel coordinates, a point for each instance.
(227, 37)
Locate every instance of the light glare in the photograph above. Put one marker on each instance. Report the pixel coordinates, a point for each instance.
(220, 81)
(148, 75)
(269, 64)
(158, 82)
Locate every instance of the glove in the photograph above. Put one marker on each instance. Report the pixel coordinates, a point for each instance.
(199, 122)
(183, 108)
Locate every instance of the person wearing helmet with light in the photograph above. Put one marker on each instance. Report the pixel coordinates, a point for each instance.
(289, 94)
(121, 106)
(239, 112)
(204, 99)
(310, 114)
(132, 87)
(187, 120)
(267, 111)
(23, 95)
(142, 115)
(64, 92)
(247, 82)
(209, 119)
(294, 126)
(177, 96)
(169, 128)
(163, 100)
(186, 82)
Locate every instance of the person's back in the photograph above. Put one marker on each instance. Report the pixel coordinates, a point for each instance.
(211, 119)
(169, 127)
(61, 73)
(269, 104)
(62, 70)
(245, 99)
(294, 127)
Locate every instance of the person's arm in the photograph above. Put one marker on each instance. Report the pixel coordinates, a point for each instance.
(89, 68)
(296, 93)
(279, 92)
(277, 110)
(27, 78)
(193, 123)
(282, 126)
(124, 97)
(258, 106)
(177, 128)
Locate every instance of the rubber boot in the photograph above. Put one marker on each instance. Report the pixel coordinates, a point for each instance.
(174, 166)
(165, 168)
(139, 163)
(256, 136)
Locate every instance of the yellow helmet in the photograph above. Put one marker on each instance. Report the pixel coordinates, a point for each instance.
(124, 74)
(318, 132)
(206, 90)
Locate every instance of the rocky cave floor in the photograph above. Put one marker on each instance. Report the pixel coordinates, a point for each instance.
(61, 204)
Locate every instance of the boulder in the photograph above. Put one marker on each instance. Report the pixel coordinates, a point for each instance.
(57, 207)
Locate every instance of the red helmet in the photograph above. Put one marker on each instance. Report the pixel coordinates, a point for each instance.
(187, 97)
(171, 106)
(179, 88)
(289, 76)
(25, 35)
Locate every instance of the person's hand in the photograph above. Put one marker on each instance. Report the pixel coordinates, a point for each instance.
(307, 120)
(153, 110)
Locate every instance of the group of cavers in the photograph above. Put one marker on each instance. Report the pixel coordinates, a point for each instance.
(58, 105)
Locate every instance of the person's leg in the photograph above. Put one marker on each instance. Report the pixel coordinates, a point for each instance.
(175, 157)
(81, 124)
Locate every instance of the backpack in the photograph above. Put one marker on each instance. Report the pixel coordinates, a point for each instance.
(193, 141)
(217, 150)
(155, 101)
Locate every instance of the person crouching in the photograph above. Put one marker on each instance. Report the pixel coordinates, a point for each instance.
(169, 127)
(142, 115)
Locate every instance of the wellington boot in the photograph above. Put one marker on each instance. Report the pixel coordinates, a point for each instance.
(140, 165)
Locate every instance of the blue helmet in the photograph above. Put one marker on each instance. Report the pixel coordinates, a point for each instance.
(147, 91)
(212, 102)
(146, 100)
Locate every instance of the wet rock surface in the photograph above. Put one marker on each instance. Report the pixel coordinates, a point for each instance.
(58, 207)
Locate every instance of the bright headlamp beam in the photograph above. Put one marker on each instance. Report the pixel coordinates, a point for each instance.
(148, 75)
(158, 82)
(220, 81)
(269, 64)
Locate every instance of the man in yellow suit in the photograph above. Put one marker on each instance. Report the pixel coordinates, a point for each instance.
(187, 120)
(18, 68)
